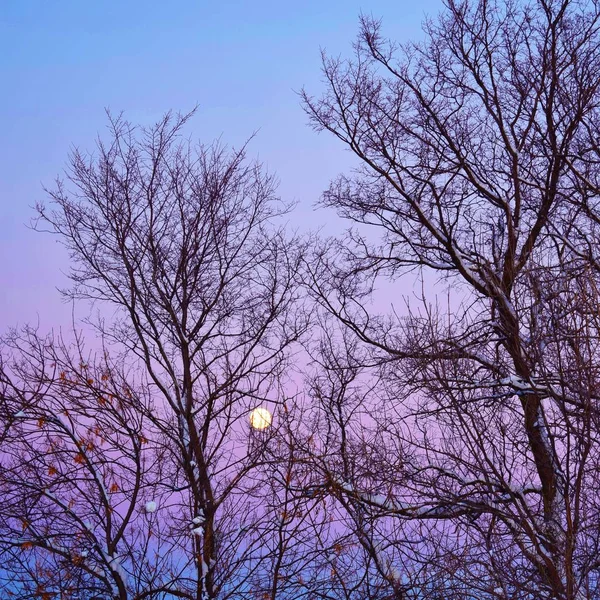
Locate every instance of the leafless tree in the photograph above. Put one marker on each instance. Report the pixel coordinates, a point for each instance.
(478, 153)
(79, 462)
(186, 244)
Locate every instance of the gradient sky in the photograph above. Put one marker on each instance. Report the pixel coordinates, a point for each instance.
(63, 61)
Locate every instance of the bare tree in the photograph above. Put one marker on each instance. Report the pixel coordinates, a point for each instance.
(479, 165)
(76, 469)
(185, 242)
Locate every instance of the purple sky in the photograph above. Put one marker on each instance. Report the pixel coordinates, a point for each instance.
(63, 62)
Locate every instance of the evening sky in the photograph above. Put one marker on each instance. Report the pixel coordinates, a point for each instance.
(63, 62)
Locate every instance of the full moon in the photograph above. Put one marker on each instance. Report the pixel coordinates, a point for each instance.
(260, 418)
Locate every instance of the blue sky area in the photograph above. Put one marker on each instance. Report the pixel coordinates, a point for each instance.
(63, 62)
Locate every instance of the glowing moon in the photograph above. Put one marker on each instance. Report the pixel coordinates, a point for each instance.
(260, 418)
